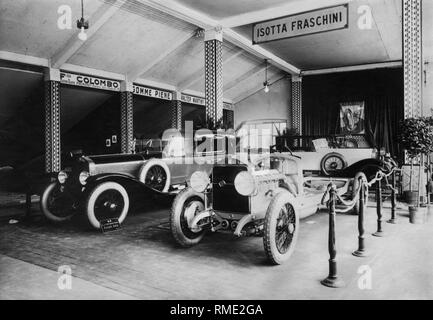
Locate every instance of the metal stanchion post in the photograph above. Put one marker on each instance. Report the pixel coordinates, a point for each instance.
(332, 280)
(379, 232)
(360, 252)
(393, 201)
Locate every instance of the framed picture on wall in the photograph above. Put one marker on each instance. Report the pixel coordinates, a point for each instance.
(352, 117)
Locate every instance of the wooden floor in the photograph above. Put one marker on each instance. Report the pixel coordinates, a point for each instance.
(141, 260)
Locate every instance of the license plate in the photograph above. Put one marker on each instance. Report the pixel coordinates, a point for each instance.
(110, 225)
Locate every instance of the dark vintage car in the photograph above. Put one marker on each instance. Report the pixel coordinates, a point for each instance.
(101, 185)
(265, 198)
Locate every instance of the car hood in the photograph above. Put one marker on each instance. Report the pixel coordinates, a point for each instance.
(113, 158)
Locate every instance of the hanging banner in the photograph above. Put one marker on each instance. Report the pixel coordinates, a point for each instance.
(90, 82)
(310, 22)
(352, 118)
(151, 92)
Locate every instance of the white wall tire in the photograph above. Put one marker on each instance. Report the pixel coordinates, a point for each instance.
(179, 221)
(49, 204)
(107, 200)
(281, 222)
(152, 174)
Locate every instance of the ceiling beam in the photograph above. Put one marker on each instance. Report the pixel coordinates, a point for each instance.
(245, 76)
(203, 21)
(97, 20)
(23, 58)
(181, 12)
(175, 45)
(259, 52)
(277, 12)
(199, 74)
(248, 93)
(92, 72)
(380, 65)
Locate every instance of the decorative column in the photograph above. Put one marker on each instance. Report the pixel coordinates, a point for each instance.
(213, 75)
(296, 107)
(176, 111)
(412, 58)
(52, 120)
(126, 118)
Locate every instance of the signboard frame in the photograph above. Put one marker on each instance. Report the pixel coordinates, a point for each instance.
(165, 92)
(346, 26)
(64, 75)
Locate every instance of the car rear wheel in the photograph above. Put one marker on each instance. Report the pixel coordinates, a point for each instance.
(281, 229)
(186, 206)
(57, 205)
(108, 200)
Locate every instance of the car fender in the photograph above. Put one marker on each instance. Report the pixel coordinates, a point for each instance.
(364, 165)
(123, 179)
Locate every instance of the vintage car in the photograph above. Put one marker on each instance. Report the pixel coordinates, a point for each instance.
(324, 155)
(264, 198)
(101, 185)
(321, 155)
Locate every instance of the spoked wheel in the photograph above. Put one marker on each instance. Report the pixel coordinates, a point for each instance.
(107, 201)
(332, 162)
(156, 178)
(186, 206)
(281, 229)
(57, 205)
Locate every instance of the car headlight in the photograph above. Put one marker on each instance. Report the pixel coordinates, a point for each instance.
(62, 176)
(83, 177)
(245, 184)
(199, 181)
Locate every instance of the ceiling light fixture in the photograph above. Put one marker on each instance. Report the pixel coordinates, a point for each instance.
(266, 84)
(82, 24)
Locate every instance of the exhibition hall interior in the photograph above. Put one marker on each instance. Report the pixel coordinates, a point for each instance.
(201, 149)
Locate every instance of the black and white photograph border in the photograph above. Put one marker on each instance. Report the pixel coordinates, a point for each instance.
(216, 150)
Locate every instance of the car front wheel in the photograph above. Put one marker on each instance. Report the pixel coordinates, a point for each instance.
(281, 229)
(186, 206)
(108, 200)
(57, 205)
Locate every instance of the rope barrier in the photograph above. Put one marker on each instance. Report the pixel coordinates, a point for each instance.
(360, 197)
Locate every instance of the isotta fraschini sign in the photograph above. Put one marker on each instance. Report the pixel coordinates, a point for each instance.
(310, 22)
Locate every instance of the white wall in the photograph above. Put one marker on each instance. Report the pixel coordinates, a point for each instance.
(427, 8)
(272, 105)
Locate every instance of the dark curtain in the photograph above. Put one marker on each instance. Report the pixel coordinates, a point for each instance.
(380, 89)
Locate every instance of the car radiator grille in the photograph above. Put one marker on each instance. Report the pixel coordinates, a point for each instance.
(225, 197)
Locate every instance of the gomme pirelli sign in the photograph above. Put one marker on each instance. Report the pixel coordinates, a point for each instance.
(321, 20)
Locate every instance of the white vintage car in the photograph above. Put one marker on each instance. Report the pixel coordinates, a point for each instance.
(320, 154)
(264, 198)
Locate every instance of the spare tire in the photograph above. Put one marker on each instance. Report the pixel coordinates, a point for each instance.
(156, 175)
(331, 162)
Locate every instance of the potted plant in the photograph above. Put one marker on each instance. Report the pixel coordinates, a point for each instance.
(416, 137)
